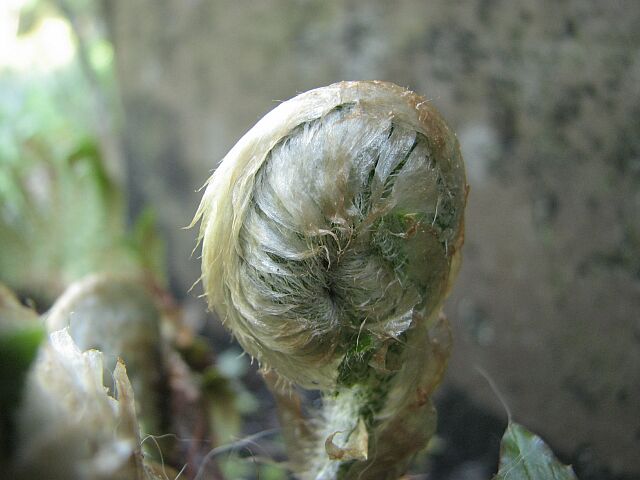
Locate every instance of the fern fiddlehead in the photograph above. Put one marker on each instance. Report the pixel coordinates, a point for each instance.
(331, 234)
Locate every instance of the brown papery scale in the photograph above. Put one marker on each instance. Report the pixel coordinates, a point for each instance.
(331, 234)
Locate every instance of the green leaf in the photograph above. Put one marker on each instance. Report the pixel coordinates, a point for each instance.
(17, 350)
(20, 336)
(524, 456)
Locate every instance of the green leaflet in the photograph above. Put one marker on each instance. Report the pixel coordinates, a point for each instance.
(524, 456)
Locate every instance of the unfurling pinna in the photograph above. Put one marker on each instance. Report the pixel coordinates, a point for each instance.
(331, 234)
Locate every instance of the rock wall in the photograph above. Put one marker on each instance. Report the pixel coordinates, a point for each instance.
(545, 97)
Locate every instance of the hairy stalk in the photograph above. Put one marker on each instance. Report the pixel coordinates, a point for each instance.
(330, 237)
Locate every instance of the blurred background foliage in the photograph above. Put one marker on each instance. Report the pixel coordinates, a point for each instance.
(62, 215)
(113, 113)
(64, 219)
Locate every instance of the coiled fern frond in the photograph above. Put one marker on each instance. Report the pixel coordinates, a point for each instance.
(331, 233)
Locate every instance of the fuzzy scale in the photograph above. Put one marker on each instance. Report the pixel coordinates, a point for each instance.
(330, 237)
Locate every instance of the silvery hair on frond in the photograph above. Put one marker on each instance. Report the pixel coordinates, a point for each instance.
(331, 234)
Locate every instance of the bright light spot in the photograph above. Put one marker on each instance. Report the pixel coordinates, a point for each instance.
(101, 55)
(48, 47)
